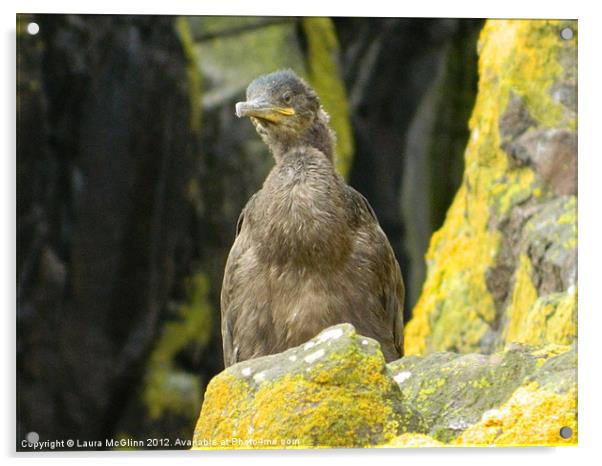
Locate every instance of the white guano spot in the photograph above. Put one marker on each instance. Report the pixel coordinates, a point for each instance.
(246, 371)
(259, 377)
(365, 342)
(458, 424)
(402, 376)
(292, 358)
(314, 356)
(309, 345)
(331, 334)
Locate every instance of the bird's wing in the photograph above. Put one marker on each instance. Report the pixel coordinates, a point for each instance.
(229, 285)
(392, 291)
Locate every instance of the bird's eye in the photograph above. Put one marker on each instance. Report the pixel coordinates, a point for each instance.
(287, 97)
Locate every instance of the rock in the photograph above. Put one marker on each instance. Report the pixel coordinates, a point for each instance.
(108, 145)
(333, 391)
(337, 391)
(536, 412)
(552, 153)
(451, 392)
(502, 267)
(435, 141)
(529, 418)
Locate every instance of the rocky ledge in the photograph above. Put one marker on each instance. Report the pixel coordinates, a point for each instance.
(337, 391)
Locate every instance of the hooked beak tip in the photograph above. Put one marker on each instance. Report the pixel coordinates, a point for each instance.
(240, 109)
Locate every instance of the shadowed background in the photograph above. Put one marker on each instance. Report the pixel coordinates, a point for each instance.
(132, 170)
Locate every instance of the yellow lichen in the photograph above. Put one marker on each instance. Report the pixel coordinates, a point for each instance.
(226, 395)
(292, 412)
(325, 77)
(412, 441)
(551, 318)
(530, 417)
(519, 184)
(550, 350)
(561, 326)
(456, 310)
(524, 296)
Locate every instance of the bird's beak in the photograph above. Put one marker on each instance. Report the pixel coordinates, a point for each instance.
(264, 110)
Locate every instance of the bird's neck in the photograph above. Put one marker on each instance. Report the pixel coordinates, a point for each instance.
(318, 136)
(300, 214)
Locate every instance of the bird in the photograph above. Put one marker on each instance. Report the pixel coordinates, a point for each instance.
(309, 252)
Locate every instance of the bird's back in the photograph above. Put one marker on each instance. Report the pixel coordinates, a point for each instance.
(309, 253)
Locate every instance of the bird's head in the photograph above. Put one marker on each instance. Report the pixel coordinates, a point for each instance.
(286, 112)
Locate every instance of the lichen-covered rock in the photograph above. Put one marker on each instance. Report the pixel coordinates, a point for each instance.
(337, 391)
(537, 411)
(532, 416)
(333, 391)
(503, 266)
(452, 392)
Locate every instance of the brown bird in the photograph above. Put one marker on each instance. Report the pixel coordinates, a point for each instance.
(309, 252)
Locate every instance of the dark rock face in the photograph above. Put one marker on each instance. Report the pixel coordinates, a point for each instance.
(412, 85)
(105, 160)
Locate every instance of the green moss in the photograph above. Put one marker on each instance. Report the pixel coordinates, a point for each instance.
(325, 76)
(193, 73)
(231, 61)
(167, 388)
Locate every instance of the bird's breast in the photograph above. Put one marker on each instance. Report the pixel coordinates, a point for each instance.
(305, 301)
(303, 223)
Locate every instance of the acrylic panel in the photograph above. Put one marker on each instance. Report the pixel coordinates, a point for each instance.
(295, 232)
